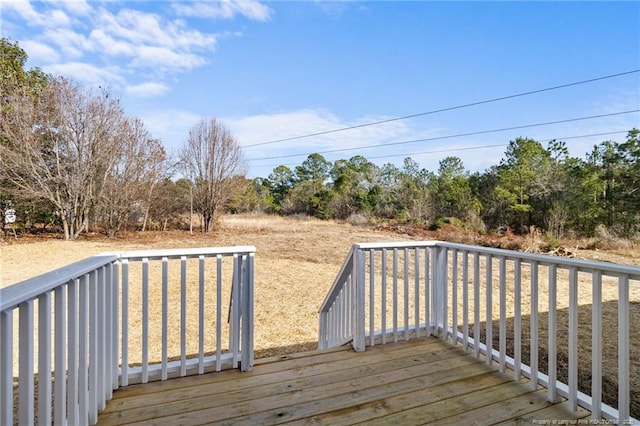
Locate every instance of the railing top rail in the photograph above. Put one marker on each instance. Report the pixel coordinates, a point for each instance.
(396, 244)
(545, 259)
(187, 252)
(31, 288)
(612, 269)
(337, 284)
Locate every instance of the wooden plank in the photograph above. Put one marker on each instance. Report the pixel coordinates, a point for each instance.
(222, 376)
(295, 366)
(296, 405)
(359, 396)
(377, 409)
(447, 405)
(248, 388)
(340, 369)
(420, 381)
(270, 365)
(560, 411)
(506, 408)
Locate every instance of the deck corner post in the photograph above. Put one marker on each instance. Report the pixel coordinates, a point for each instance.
(359, 269)
(246, 362)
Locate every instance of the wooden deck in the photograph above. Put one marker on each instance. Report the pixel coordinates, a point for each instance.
(416, 382)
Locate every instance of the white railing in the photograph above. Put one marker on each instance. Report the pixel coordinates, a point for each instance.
(116, 319)
(337, 325)
(392, 291)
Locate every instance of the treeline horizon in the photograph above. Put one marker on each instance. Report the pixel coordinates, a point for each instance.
(530, 186)
(73, 161)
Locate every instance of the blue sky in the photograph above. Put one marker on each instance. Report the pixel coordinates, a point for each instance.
(276, 70)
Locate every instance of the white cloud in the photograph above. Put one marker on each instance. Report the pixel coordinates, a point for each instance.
(134, 26)
(170, 126)
(24, 9)
(150, 41)
(389, 142)
(75, 7)
(344, 144)
(106, 42)
(39, 52)
(155, 56)
(72, 44)
(49, 19)
(109, 45)
(225, 9)
(266, 127)
(86, 73)
(333, 9)
(147, 90)
(57, 18)
(181, 38)
(139, 28)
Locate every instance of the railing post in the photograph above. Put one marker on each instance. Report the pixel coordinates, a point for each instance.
(72, 351)
(60, 356)
(440, 283)
(100, 333)
(234, 330)
(247, 313)
(623, 347)
(465, 301)
(552, 346)
(25, 366)
(358, 323)
(124, 363)
(83, 348)
(503, 314)
(454, 297)
(322, 327)
(44, 359)
(488, 290)
(6, 367)
(165, 318)
(114, 324)
(596, 345)
(573, 339)
(93, 347)
(183, 315)
(533, 327)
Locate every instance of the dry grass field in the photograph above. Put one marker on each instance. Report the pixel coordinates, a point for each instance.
(297, 260)
(296, 263)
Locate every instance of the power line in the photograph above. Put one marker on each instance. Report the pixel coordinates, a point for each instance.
(481, 132)
(469, 148)
(502, 98)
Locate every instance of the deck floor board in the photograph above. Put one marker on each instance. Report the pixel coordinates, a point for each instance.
(416, 382)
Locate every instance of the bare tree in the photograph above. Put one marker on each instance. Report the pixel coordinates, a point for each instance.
(63, 147)
(210, 159)
(129, 185)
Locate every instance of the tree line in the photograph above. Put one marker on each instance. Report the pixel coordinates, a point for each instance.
(531, 186)
(71, 158)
